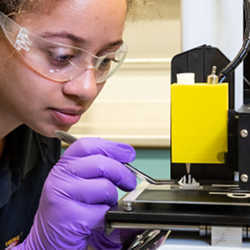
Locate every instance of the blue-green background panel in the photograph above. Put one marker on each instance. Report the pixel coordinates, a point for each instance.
(152, 161)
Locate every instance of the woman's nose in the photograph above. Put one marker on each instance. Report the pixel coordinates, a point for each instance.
(84, 86)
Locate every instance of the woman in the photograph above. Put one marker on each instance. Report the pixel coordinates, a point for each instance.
(55, 59)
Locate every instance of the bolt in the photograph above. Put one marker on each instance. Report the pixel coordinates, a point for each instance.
(244, 178)
(127, 206)
(244, 133)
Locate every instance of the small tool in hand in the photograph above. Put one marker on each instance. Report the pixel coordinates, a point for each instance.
(69, 139)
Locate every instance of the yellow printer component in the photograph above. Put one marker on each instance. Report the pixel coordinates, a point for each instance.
(199, 116)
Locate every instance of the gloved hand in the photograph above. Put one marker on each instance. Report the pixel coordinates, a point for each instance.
(79, 190)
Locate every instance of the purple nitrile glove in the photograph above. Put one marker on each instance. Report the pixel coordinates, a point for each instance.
(79, 190)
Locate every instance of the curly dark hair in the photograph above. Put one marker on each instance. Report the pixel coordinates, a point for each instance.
(7, 6)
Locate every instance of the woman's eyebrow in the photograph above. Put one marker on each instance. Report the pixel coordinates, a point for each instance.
(79, 40)
(111, 45)
(66, 35)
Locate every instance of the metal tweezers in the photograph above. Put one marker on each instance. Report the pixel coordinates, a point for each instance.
(69, 139)
(149, 239)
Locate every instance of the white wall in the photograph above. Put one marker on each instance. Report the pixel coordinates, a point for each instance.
(218, 23)
(134, 107)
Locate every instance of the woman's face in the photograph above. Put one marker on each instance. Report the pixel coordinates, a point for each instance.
(45, 105)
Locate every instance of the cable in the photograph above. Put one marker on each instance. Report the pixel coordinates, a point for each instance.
(244, 48)
(236, 61)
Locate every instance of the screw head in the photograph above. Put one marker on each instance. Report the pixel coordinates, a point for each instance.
(244, 178)
(127, 206)
(244, 133)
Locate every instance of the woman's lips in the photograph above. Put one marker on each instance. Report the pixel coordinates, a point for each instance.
(66, 117)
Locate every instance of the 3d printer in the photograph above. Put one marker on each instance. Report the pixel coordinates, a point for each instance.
(210, 158)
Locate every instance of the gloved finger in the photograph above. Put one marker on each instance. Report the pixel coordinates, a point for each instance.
(98, 166)
(98, 239)
(88, 146)
(87, 216)
(94, 214)
(91, 191)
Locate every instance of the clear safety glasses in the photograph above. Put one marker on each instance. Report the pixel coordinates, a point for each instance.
(56, 61)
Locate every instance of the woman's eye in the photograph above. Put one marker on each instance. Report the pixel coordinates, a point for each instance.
(62, 60)
(106, 63)
(61, 57)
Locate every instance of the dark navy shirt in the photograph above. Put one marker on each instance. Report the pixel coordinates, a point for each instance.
(24, 166)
